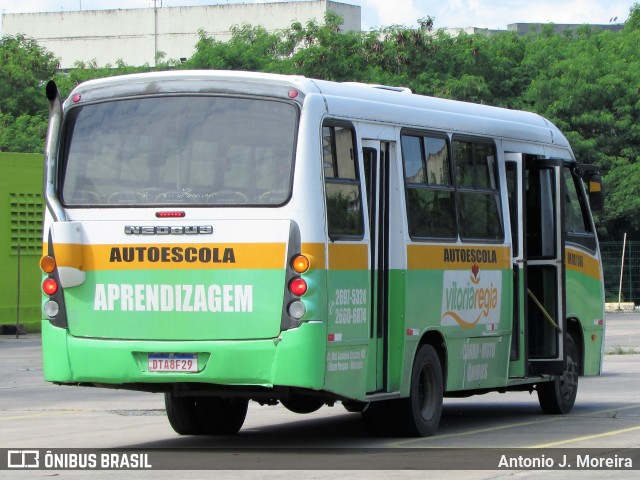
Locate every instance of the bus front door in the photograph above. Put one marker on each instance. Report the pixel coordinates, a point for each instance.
(535, 193)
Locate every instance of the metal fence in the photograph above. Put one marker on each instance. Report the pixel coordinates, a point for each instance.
(613, 264)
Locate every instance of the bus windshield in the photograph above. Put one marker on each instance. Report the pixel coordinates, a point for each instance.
(177, 150)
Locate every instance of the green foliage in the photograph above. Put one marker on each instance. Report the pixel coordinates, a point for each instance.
(328, 54)
(24, 66)
(250, 49)
(586, 81)
(67, 81)
(22, 134)
(633, 23)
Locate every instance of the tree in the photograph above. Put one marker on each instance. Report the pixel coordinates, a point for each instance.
(83, 71)
(250, 49)
(24, 69)
(24, 134)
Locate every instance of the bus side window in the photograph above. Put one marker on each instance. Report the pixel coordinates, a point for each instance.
(342, 182)
(577, 225)
(429, 190)
(574, 219)
(478, 193)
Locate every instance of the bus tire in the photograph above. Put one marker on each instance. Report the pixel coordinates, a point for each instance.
(419, 415)
(558, 396)
(182, 414)
(221, 416)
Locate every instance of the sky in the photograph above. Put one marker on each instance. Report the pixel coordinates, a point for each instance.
(494, 14)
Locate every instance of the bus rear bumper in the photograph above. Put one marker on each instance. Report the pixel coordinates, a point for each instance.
(295, 359)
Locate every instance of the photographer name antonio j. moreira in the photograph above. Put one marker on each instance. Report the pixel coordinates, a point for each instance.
(578, 461)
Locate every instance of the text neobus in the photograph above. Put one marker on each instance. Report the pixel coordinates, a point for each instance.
(173, 298)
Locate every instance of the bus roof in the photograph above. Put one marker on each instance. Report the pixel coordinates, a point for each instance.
(400, 104)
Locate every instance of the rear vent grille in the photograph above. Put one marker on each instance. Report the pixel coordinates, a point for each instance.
(26, 223)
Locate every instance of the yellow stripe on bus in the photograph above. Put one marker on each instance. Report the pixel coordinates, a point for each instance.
(171, 256)
(348, 256)
(579, 261)
(456, 257)
(315, 252)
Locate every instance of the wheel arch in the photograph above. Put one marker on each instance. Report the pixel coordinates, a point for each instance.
(574, 328)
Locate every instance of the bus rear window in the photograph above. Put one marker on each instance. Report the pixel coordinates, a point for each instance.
(200, 150)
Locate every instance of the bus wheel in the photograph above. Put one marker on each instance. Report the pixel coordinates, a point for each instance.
(558, 396)
(419, 415)
(302, 405)
(182, 414)
(221, 416)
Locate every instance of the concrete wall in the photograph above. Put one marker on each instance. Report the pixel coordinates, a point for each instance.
(134, 35)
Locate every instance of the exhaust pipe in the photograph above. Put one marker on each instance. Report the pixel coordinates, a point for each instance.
(51, 152)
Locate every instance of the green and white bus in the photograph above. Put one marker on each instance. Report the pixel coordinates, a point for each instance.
(222, 237)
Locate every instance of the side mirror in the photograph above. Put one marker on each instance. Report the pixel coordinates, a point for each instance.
(595, 190)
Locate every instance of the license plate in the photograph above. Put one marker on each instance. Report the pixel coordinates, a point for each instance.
(172, 362)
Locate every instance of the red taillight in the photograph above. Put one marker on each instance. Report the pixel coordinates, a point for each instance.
(50, 286)
(298, 287)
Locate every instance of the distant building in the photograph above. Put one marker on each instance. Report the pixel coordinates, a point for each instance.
(526, 28)
(136, 36)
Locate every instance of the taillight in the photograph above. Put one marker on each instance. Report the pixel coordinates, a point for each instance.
(297, 309)
(300, 263)
(47, 264)
(298, 287)
(53, 308)
(50, 286)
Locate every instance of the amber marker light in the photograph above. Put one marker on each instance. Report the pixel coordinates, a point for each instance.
(300, 263)
(50, 286)
(47, 264)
